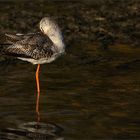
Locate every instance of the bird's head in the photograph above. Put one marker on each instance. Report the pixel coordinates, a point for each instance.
(50, 28)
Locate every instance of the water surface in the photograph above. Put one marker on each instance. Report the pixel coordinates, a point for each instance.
(86, 94)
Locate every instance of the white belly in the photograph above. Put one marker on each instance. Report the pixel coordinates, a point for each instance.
(40, 61)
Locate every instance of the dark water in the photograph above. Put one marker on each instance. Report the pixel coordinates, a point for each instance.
(86, 94)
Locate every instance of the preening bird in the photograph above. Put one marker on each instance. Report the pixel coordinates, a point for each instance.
(37, 48)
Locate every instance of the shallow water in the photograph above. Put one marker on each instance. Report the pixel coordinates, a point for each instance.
(86, 94)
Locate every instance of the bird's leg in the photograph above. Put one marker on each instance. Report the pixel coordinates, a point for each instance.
(37, 107)
(37, 78)
(38, 92)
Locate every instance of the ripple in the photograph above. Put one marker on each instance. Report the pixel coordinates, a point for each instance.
(33, 130)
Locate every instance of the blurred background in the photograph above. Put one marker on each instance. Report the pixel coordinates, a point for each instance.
(92, 92)
(103, 21)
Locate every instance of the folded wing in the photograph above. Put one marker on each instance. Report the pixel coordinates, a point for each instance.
(34, 46)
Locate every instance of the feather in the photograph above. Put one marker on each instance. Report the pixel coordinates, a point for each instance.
(33, 46)
(37, 48)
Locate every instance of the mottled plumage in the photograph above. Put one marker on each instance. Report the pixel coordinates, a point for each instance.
(37, 48)
(33, 46)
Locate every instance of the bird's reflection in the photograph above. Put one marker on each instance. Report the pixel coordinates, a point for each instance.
(34, 130)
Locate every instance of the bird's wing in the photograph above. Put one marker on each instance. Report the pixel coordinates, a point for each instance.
(34, 46)
(13, 38)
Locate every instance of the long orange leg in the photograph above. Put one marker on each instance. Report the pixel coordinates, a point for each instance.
(38, 92)
(37, 78)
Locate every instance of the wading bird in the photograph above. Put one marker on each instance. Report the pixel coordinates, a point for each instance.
(37, 48)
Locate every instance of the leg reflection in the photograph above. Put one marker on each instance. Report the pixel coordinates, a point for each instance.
(37, 107)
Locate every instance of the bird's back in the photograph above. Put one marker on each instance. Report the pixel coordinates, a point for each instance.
(34, 45)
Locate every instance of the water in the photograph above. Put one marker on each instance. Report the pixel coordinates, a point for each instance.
(86, 94)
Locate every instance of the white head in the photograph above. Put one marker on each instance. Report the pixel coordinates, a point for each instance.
(49, 27)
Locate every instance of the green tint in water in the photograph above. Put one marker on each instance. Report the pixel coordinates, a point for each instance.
(89, 93)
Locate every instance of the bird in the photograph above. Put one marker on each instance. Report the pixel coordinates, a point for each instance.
(37, 48)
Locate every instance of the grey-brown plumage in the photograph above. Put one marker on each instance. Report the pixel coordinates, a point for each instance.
(37, 48)
(34, 46)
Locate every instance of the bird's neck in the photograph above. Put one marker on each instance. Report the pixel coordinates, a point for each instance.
(57, 39)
